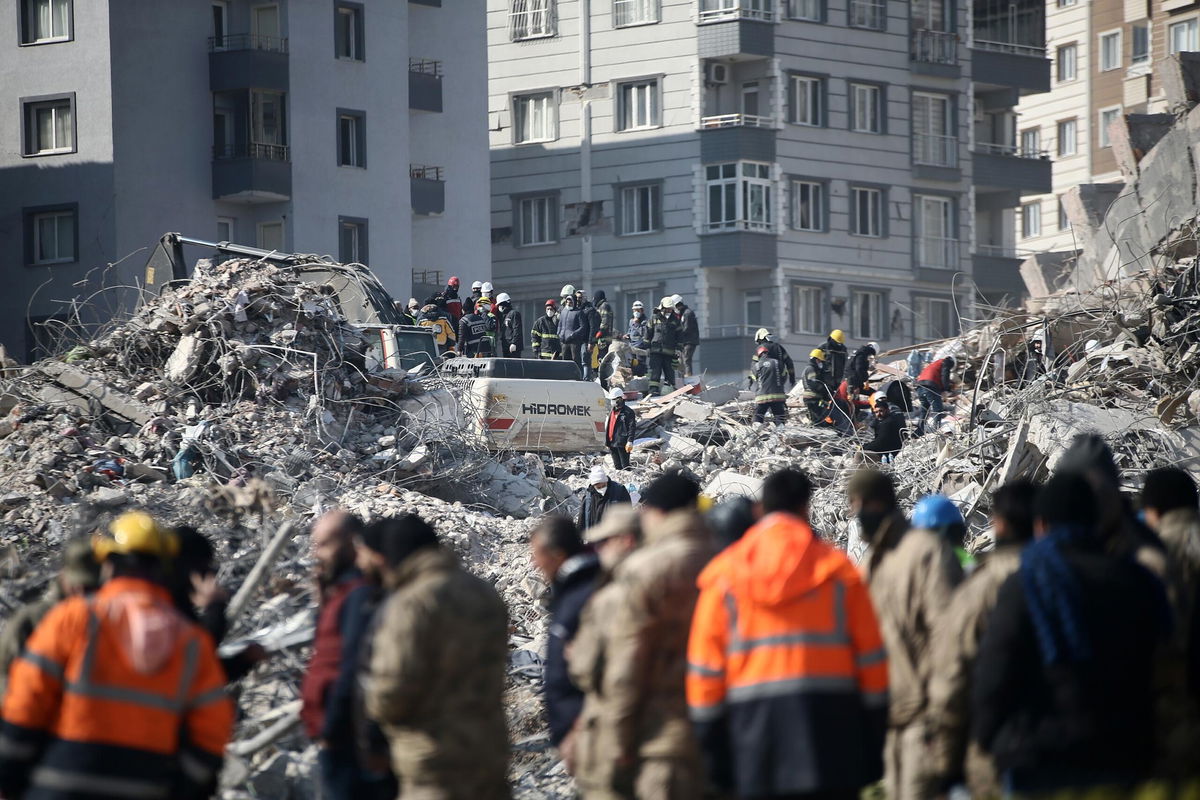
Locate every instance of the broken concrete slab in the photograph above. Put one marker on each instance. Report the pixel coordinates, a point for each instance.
(1133, 135)
(185, 359)
(729, 483)
(693, 411)
(719, 395)
(93, 387)
(1180, 77)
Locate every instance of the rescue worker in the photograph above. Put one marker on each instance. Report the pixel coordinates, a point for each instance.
(778, 352)
(897, 393)
(448, 300)
(663, 334)
(1029, 363)
(818, 387)
(435, 681)
(888, 428)
(117, 695)
(689, 335)
(787, 674)
(544, 336)
(572, 330)
(835, 355)
(328, 685)
(475, 333)
(769, 396)
(939, 514)
(600, 495)
(79, 576)
(438, 321)
(511, 328)
(636, 334)
(912, 573)
(487, 292)
(471, 301)
(618, 430)
(934, 382)
(570, 571)
(956, 647)
(602, 336)
(591, 318)
(858, 370)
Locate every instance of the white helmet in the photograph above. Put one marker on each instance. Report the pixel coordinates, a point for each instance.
(476, 285)
(502, 298)
(637, 305)
(761, 335)
(567, 291)
(616, 393)
(487, 288)
(874, 346)
(676, 300)
(666, 303)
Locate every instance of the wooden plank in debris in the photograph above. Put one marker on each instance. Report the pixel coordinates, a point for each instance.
(92, 386)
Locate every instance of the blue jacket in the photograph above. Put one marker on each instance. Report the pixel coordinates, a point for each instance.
(572, 326)
(573, 587)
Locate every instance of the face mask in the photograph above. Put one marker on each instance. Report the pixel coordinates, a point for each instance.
(549, 312)
(637, 315)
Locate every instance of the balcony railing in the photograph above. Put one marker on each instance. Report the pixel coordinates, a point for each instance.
(736, 121)
(423, 172)
(269, 152)
(935, 47)
(867, 14)
(717, 226)
(425, 66)
(993, 149)
(1001, 251)
(717, 10)
(247, 41)
(1033, 51)
(427, 277)
(937, 252)
(935, 151)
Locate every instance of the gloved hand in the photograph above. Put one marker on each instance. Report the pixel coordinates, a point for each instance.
(629, 448)
(512, 348)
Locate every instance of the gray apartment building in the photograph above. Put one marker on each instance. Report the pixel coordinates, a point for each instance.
(796, 164)
(353, 129)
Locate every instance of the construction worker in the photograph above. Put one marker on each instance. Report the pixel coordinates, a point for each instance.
(544, 336)
(476, 332)
(933, 383)
(777, 351)
(439, 321)
(769, 397)
(618, 430)
(663, 334)
(448, 300)
(858, 370)
(572, 329)
(117, 695)
(476, 294)
(603, 335)
(787, 674)
(835, 355)
(689, 335)
(818, 387)
(510, 328)
(1029, 363)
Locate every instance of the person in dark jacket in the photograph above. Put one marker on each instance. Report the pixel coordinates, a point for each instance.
(448, 300)
(600, 494)
(836, 354)
(510, 328)
(777, 352)
(1029, 363)
(635, 334)
(819, 387)
(689, 335)
(1062, 696)
(327, 689)
(571, 573)
(769, 396)
(858, 370)
(572, 331)
(476, 333)
(663, 334)
(605, 320)
(544, 335)
(618, 430)
(888, 427)
(934, 381)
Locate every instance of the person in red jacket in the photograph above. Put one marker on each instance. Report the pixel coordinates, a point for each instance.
(932, 383)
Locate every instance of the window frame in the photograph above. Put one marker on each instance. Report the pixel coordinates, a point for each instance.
(29, 217)
(754, 296)
(822, 214)
(880, 106)
(821, 99)
(517, 121)
(1035, 133)
(362, 229)
(1058, 137)
(24, 23)
(553, 201)
(1134, 61)
(619, 106)
(656, 6)
(360, 139)
(929, 335)
(656, 212)
(822, 323)
(358, 27)
(883, 15)
(822, 11)
(951, 212)
(1116, 35)
(881, 334)
(1102, 140)
(881, 192)
(1031, 219)
(550, 29)
(29, 135)
(232, 223)
(742, 184)
(1059, 62)
(270, 223)
(1194, 24)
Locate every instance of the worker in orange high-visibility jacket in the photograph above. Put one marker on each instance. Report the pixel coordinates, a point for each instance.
(117, 695)
(787, 674)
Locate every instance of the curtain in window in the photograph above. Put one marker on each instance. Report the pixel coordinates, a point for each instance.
(633, 12)
(51, 18)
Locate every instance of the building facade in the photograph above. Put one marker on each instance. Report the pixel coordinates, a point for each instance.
(802, 166)
(283, 125)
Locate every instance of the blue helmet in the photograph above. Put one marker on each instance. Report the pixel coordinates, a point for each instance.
(936, 512)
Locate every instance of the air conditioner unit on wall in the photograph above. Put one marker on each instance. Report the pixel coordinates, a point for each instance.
(718, 73)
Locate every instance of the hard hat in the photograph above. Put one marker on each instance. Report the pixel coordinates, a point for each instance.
(487, 288)
(502, 298)
(838, 337)
(567, 291)
(761, 335)
(935, 512)
(597, 475)
(762, 348)
(874, 346)
(551, 303)
(475, 285)
(136, 532)
(877, 397)
(616, 393)
(666, 303)
(817, 353)
(453, 281)
(412, 303)
(676, 300)
(637, 305)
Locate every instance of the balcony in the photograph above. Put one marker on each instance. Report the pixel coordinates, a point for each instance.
(1005, 167)
(869, 14)
(725, 348)
(730, 29)
(427, 190)
(424, 84)
(735, 121)
(1010, 65)
(997, 270)
(723, 10)
(252, 173)
(740, 248)
(935, 53)
(247, 60)
(934, 252)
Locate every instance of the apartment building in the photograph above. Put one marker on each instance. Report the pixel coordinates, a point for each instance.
(803, 166)
(283, 124)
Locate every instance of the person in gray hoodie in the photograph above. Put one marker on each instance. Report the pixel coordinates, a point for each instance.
(572, 331)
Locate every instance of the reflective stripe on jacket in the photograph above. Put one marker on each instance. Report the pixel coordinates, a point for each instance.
(544, 337)
(117, 696)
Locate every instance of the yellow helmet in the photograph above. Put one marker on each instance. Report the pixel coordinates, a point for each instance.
(136, 532)
(817, 353)
(761, 334)
(838, 337)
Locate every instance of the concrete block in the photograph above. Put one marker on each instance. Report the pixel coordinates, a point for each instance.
(1133, 135)
(1046, 273)
(1087, 203)
(728, 483)
(1166, 185)
(1180, 76)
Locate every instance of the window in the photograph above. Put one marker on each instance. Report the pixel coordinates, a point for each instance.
(352, 240)
(225, 229)
(266, 110)
(1139, 49)
(51, 235)
(49, 126)
(934, 318)
(750, 99)
(808, 10)
(220, 19)
(937, 246)
(866, 108)
(1107, 117)
(866, 211)
(634, 12)
(808, 309)
(866, 315)
(1066, 3)
(530, 19)
(1031, 142)
(933, 141)
(1066, 59)
(1031, 220)
(270, 235)
(1068, 137)
(752, 304)
(348, 31)
(806, 101)
(870, 14)
(352, 139)
(637, 105)
(1064, 222)
(534, 118)
(640, 209)
(45, 21)
(739, 196)
(808, 206)
(1183, 36)
(265, 21)
(1110, 51)
(538, 218)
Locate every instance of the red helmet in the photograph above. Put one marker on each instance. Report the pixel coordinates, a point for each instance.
(551, 303)
(453, 282)
(763, 349)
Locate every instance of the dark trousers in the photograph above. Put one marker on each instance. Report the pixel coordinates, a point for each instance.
(930, 401)
(777, 408)
(342, 778)
(817, 411)
(619, 456)
(686, 355)
(570, 352)
(662, 372)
